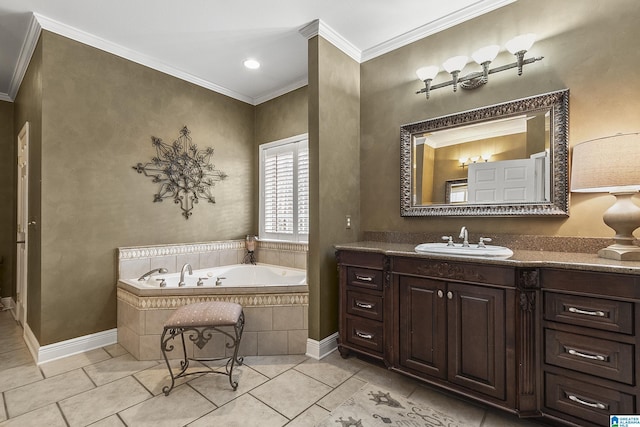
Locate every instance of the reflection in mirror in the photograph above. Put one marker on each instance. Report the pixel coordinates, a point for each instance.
(507, 159)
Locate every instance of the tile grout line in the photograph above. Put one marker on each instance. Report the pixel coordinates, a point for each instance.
(61, 413)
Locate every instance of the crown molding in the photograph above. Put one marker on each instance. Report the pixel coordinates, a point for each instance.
(137, 57)
(312, 29)
(26, 52)
(318, 27)
(281, 91)
(479, 8)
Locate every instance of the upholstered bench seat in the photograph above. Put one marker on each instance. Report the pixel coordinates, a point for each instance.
(199, 320)
(205, 314)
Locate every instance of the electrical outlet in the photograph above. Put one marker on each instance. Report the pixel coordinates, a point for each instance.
(348, 222)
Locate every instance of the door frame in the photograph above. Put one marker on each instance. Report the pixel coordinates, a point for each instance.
(22, 224)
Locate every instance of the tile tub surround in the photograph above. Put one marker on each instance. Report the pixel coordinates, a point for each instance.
(276, 317)
(135, 261)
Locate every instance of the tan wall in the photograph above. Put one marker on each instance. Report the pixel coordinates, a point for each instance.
(587, 47)
(334, 133)
(7, 195)
(99, 112)
(282, 117)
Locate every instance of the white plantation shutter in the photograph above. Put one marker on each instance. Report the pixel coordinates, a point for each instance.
(284, 189)
(303, 192)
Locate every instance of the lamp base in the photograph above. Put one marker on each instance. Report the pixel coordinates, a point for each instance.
(624, 218)
(621, 252)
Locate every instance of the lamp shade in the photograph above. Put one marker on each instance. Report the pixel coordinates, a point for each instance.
(521, 43)
(486, 54)
(456, 63)
(427, 73)
(608, 164)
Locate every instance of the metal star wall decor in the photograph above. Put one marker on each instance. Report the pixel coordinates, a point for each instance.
(183, 171)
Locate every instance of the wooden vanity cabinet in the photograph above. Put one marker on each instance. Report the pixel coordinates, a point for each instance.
(453, 326)
(362, 279)
(590, 345)
(559, 344)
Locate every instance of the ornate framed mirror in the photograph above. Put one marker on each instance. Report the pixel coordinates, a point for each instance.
(507, 159)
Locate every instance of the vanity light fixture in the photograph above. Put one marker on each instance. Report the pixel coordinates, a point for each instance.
(518, 46)
(610, 165)
(464, 161)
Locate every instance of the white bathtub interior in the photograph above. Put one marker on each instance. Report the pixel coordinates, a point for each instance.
(239, 275)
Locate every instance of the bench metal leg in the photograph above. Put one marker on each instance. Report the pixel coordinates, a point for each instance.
(200, 337)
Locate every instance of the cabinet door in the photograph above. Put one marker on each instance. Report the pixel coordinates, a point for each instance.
(477, 347)
(423, 325)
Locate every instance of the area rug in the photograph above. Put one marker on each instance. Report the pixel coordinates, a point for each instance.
(373, 406)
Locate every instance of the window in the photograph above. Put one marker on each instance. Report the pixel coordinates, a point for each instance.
(284, 190)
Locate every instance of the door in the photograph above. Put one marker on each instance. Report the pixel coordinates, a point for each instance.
(22, 224)
(423, 325)
(477, 343)
(504, 181)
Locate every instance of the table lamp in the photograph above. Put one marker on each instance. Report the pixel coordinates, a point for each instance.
(612, 165)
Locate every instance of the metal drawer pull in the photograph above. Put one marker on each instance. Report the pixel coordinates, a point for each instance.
(588, 313)
(585, 403)
(586, 356)
(364, 305)
(364, 278)
(364, 336)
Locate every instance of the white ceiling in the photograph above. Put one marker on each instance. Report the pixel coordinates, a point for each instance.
(206, 41)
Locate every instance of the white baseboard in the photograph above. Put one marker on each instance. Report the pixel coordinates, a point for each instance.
(54, 351)
(321, 349)
(32, 343)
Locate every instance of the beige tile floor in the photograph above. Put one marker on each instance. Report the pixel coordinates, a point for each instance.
(108, 387)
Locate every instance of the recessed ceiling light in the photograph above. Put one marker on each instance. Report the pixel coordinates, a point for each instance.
(252, 64)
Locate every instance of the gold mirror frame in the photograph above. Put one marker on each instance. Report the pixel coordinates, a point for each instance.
(557, 103)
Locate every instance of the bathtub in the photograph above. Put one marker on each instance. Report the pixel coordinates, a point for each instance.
(275, 301)
(238, 275)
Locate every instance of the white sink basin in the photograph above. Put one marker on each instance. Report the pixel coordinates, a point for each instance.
(473, 250)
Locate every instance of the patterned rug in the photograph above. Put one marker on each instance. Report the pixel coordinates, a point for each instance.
(372, 406)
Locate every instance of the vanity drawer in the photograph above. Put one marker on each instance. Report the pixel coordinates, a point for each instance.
(364, 278)
(598, 313)
(364, 304)
(586, 401)
(603, 358)
(364, 333)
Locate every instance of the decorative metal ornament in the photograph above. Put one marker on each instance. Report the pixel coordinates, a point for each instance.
(184, 172)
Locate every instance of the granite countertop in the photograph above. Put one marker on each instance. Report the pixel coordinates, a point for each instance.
(520, 258)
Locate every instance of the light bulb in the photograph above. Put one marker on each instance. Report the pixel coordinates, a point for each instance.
(463, 160)
(521, 43)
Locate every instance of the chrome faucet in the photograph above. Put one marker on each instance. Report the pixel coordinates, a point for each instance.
(146, 275)
(464, 234)
(185, 267)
